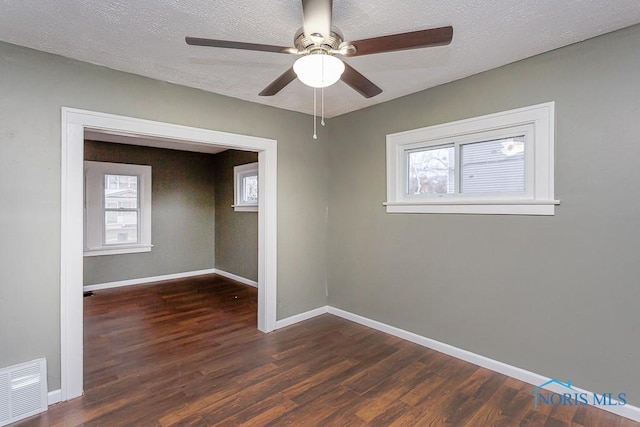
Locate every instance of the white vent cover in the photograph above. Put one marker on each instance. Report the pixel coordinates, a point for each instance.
(23, 391)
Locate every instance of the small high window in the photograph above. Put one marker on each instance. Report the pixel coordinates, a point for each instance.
(496, 164)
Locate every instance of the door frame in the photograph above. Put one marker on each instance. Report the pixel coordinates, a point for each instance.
(74, 123)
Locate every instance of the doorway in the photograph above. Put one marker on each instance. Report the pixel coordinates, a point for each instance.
(74, 124)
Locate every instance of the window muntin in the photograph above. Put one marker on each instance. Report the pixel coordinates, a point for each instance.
(245, 178)
(501, 163)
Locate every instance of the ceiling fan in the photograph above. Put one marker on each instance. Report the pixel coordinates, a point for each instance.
(318, 43)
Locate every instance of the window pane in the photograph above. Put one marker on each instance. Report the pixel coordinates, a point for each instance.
(120, 227)
(493, 166)
(121, 191)
(250, 189)
(431, 171)
(111, 217)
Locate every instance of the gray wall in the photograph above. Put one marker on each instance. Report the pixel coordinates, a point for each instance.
(33, 88)
(182, 214)
(236, 232)
(554, 295)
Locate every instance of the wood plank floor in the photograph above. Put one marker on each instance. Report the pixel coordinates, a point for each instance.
(187, 353)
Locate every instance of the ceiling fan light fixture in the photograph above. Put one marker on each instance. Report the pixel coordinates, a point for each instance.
(318, 69)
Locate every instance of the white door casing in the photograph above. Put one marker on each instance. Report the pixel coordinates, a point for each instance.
(74, 123)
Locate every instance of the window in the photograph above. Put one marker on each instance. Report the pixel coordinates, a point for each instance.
(246, 187)
(496, 164)
(117, 208)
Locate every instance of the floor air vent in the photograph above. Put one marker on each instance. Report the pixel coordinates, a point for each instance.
(23, 391)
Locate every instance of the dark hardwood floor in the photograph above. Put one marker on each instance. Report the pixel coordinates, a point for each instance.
(187, 353)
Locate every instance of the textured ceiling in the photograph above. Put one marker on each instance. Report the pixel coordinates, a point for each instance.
(147, 38)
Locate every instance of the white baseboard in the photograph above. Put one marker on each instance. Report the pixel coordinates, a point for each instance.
(532, 378)
(54, 397)
(301, 317)
(144, 280)
(236, 278)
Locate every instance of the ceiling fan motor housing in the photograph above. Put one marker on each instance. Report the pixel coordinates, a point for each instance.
(329, 44)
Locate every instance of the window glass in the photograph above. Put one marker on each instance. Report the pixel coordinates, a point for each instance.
(121, 227)
(121, 209)
(431, 171)
(121, 191)
(493, 166)
(250, 189)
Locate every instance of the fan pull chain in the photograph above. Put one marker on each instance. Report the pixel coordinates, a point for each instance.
(322, 108)
(315, 134)
(322, 96)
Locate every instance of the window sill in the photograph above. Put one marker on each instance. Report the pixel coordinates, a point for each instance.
(118, 251)
(245, 208)
(478, 207)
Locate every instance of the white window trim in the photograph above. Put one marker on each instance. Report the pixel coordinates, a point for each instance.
(94, 208)
(537, 121)
(238, 173)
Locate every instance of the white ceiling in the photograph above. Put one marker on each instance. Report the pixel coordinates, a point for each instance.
(147, 38)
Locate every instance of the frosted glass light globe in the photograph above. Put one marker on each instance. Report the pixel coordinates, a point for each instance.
(318, 69)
